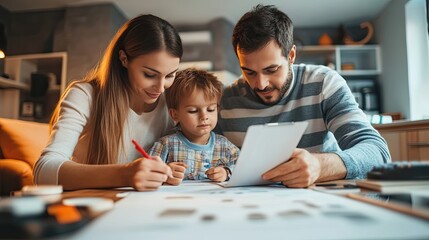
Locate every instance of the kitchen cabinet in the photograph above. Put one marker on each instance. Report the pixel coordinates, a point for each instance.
(17, 93)
(407, 140)
(347, 60)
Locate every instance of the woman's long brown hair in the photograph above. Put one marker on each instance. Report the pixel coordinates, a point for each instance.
(109, 109)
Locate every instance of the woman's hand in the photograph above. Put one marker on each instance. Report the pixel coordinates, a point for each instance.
(178, 169)
(217, 174)
(147, 174)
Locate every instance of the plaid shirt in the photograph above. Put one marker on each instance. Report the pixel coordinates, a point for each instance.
(219, 151)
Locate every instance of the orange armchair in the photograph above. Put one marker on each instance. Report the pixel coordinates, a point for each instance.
(21, 144)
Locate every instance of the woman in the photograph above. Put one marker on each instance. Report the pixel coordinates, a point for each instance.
(120, 100)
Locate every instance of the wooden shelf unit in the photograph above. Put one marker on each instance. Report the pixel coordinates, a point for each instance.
(16, 90)
(347, 60)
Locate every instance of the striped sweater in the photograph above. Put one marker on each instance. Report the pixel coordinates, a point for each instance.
(321, 97)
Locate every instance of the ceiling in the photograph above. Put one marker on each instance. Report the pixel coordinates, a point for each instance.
(326, 13)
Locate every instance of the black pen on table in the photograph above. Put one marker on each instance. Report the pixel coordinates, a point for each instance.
(346, 185)
(326, 184)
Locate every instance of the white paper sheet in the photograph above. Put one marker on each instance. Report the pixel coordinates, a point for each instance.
(264, 147)
(202, 210)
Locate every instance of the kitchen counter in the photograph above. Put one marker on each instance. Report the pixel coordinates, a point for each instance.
(407, 140)
(403, 125)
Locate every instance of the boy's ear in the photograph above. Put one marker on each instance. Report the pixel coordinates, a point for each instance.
(173, 114)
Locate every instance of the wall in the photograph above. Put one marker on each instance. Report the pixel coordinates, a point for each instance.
(86, 32)
(4, 16)
(82, 32)
(32, 32)
(218, 50)
(393, 81)
(399, 82)
(418, 58)
(223, 53)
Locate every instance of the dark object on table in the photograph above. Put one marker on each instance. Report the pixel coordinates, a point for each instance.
(57, 219)
(401, 171)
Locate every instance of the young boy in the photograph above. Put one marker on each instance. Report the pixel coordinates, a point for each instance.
(194, 151)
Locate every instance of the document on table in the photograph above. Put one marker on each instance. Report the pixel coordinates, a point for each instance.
(208, 211)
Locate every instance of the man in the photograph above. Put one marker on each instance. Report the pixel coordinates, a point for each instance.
(339, 142)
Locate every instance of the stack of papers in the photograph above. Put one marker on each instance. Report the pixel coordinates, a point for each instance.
(394, 186)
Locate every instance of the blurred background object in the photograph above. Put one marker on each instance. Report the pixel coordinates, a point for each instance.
(3, 41)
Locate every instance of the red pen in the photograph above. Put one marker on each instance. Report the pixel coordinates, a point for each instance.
(140, 149)
(144, 153)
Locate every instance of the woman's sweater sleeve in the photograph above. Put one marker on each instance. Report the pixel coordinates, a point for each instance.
(73, 116)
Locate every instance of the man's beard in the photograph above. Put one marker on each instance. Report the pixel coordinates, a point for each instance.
(284, 88)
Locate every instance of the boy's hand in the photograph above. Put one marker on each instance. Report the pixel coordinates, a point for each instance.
(217, 174)
(178, 169)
